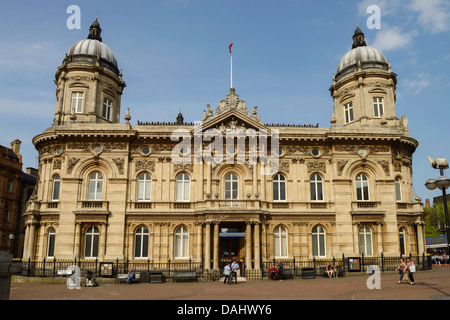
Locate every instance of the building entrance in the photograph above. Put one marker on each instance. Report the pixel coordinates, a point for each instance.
(232, 244)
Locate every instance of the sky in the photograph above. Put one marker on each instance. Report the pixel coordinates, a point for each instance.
(174, 56)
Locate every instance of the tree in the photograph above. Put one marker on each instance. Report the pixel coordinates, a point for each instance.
(435, 220)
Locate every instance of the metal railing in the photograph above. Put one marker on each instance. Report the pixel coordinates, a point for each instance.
(56, 268)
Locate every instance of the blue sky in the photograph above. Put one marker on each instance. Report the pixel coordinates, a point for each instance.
(174, 55)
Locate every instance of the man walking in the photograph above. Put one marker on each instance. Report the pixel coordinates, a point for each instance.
(227, 273)
(234, 270)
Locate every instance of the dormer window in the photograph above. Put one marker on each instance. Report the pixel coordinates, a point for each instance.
(348, 111)
(77, 102)
(378, 107)
(107, 107)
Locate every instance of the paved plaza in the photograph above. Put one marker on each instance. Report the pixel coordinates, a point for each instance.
(430, 285)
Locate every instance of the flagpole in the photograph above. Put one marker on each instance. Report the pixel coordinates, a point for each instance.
(231, 71)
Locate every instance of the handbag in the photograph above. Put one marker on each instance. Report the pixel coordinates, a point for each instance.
(412, 269)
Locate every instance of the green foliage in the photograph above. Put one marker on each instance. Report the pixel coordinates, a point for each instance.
(435, 220)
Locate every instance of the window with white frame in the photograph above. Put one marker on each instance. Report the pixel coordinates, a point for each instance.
(362, 188)
(318, 241)
(77, 102)
(91, 242)
(316, 183)
(231, 186)
(141, 240)
(56, 188)
(279, 188)
(181, 243)
(365, 241)
(107, 109)
(378, 107)
(144, 187)
(183, 187)
(95, 187)
(348, 111)
(398, 189)
(280, 242)
(51, 243)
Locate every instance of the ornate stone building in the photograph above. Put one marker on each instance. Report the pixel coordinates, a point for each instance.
(111, 190)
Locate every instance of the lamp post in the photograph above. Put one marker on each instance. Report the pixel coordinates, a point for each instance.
(442, 182)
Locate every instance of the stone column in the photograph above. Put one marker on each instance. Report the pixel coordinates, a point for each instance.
(31, 236)
(216, 246)
(25, 242)
(208, 246)
(102, 250)
(257, 248)
(420, 245)
(380, 237)
(77, 243)
(248, 246)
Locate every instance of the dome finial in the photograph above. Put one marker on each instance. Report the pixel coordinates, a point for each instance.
(358, 38)
(95, 31)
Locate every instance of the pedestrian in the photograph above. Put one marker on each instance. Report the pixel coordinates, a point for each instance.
(445, 258)
(401, 269)
(329, 271)
(335, 271)
(234, 270)
(130, 276)
(280, 270)
(411, 270)
(227, 273)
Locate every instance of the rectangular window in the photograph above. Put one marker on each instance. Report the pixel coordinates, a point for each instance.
(9, 186)
(107, 107)
(378, 108)
(77, 102)
(56, 187)
(6, 214)
(348, 109)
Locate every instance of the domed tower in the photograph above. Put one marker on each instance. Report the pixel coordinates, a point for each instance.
(364, 87)
(89, 83)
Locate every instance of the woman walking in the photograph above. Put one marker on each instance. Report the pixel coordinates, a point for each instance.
(411, 270)
(401, 269)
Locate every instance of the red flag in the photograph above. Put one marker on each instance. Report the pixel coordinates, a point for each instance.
(231, 46)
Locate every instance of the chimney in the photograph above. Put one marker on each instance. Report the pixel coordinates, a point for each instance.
(427, 203)
(32, 171)
(15, 146)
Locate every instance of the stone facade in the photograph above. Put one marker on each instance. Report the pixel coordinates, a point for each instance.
(133, 192)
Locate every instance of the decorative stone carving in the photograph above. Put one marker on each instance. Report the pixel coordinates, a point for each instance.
(184, 167)
(385, 165)
(317, 166)
(145, 165)
(120, 164)
(57, 163)
(340, 166)
(71, 163)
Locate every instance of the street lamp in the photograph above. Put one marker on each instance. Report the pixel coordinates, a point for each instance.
(442, 182)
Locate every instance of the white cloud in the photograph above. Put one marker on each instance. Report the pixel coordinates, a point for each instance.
(392, 38)
(418, 84)
(434, 15)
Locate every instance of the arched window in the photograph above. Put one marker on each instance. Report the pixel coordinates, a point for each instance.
(280, 242)
(231, 187)
(141, 238)
(318, 241)
(51, 243)
(181, 247)
(183, 187)
(402, 241)
(56, 188)
(365, 241)
(91, 242)
(144, 187)
(362, 187)
(316, 183)
(398, 189)
(95, 187)
(279, 188)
